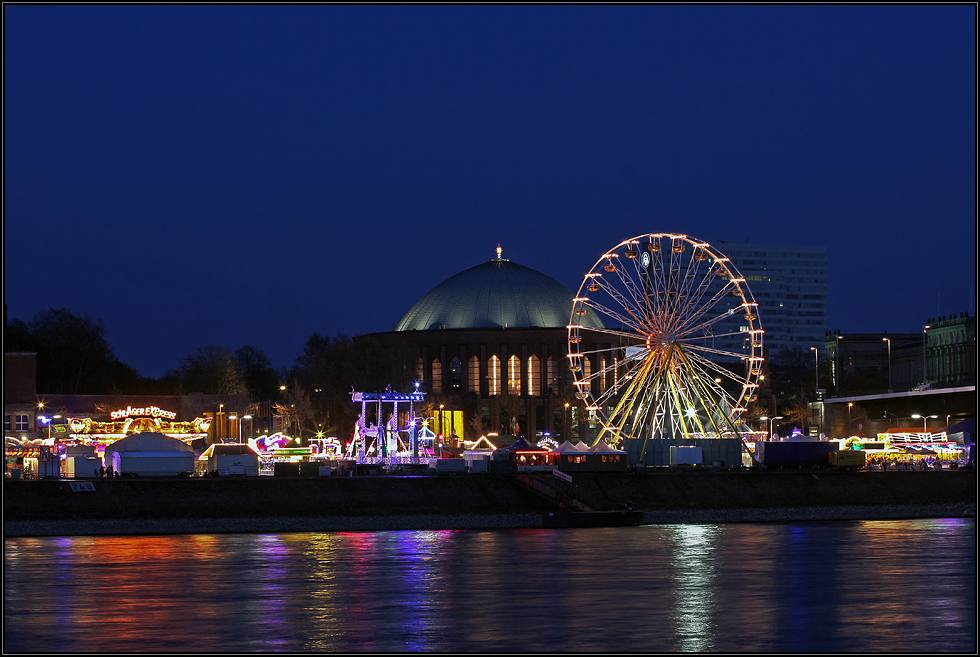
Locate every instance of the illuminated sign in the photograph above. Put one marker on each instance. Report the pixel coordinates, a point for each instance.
(149, 411)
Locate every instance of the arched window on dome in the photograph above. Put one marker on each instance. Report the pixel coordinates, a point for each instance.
(514, 375)
(474, 375)
(455, 375)
(534, 376)
(437, 376)
(552, 375)
(586, 368)
(602, 376)
(419, 370)
(493, 375)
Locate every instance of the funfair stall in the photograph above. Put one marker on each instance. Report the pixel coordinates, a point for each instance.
(149, 455)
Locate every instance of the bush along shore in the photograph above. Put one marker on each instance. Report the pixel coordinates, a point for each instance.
(267, 504)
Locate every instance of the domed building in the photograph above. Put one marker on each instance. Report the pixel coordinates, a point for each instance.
(497, 294)
(491, 344)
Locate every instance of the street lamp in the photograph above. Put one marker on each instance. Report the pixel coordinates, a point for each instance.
(889, 341)
(816, 371)
(244, 417)
(48, 421)
(925, 420)
(837, 365)
(771, 420)
(924, 339)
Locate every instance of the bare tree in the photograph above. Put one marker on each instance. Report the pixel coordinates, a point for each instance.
(296, 406)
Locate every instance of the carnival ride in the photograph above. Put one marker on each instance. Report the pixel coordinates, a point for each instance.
(380, 441)
(670, 369)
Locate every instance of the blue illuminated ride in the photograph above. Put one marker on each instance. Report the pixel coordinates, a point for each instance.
(379, 435)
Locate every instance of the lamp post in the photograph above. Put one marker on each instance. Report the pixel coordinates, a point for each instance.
(816, 370)
(924, 340)
(925, 420)
(771, 420)
(244, 417)
(837, 365)
(49, 421)
(568, 426)
(889, 341)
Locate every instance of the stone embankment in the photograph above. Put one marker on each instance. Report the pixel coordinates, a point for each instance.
(162, 506)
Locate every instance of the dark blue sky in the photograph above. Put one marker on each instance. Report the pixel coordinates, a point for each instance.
(199, 175)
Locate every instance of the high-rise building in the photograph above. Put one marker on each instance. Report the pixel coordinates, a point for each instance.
(790, 285)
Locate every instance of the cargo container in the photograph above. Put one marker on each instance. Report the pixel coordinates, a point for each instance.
(450, 466)
(791, 454)
(82, 467)
(500, 466)
(285, 469)
(231, 459)
(848, 459)
(685, 455)
(656, 451)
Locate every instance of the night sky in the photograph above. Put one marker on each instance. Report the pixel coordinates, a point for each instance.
(207, 175)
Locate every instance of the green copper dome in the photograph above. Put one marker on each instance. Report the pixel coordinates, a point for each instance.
(496, 294)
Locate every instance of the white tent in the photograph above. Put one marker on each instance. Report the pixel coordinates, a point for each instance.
(602, 448)
(568, 448)
(148, 454)
(581, 445)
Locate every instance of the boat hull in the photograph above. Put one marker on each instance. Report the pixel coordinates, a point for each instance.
(564, 519)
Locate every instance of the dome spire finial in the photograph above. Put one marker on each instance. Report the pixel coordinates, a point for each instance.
(500, 252)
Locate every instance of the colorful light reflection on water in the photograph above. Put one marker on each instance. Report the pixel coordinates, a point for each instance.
(787, 587)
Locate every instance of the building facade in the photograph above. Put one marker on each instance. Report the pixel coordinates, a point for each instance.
(790, 285)
(944, 355)
(20, 407)
(951, 351)
(492, 342)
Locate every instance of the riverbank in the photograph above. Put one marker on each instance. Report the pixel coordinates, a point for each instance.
(268, 504)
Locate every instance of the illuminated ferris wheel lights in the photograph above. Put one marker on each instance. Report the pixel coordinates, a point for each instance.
(669, 303)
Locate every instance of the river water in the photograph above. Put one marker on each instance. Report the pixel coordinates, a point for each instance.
(869, 586)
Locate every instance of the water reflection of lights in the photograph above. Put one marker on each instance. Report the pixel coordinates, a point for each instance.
(694, 567)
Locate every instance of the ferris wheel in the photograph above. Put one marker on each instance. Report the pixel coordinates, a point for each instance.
(681, 353)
